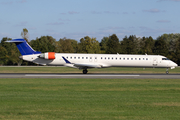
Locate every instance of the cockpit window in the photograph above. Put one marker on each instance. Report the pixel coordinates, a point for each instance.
(165, 59)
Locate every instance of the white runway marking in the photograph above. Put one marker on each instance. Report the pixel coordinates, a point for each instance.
(32, 75)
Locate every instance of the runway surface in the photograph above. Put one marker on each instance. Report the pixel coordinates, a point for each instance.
(77, 75)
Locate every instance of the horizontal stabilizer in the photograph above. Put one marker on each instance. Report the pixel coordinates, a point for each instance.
(16, 41)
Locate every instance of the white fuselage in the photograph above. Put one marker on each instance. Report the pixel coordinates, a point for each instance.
(104, 60)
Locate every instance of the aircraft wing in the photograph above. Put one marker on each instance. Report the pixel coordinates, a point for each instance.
(81, 65)
(87, 65)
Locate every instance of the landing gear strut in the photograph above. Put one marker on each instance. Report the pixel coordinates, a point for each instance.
(85, 71)
(167, 71)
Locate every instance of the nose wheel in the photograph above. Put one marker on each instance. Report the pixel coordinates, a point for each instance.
(167, 71)
(85, 71)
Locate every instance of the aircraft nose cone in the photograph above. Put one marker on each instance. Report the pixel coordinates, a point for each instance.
(173, 65)
(176, 65)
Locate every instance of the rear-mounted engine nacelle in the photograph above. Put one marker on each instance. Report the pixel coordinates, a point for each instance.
(48, 55)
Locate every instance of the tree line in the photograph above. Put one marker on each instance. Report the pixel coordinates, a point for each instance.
(167, 45)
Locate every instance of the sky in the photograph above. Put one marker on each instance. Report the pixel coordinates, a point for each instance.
(76, 19)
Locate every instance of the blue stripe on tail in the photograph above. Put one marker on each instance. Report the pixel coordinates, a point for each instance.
(24, 47)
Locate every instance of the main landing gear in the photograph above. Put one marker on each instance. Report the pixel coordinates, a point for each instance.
(85, 71)
(167, 71)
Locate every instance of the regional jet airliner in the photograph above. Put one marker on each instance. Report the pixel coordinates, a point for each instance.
(86, 61)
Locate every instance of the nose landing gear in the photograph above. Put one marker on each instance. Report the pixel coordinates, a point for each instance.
(167, 71)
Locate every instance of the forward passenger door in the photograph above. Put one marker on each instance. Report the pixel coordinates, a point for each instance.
(155, 61)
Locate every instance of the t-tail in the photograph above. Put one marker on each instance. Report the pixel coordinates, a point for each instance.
(24, 47)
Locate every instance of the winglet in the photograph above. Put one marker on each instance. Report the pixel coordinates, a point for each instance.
(66, 60)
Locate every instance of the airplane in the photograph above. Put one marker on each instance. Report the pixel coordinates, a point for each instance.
(87, 61)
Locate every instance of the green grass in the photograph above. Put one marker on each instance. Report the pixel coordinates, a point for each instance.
(80, 99)
(73, 70)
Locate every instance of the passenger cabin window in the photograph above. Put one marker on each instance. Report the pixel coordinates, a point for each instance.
(127, 58)
(78, 57)
(74, 57)
(86, 57)
(82, 57)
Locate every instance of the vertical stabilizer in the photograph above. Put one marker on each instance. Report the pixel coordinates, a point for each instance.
(24, 47)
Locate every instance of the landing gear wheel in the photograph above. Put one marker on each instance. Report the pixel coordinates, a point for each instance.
(167, 72)
(85, 71)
